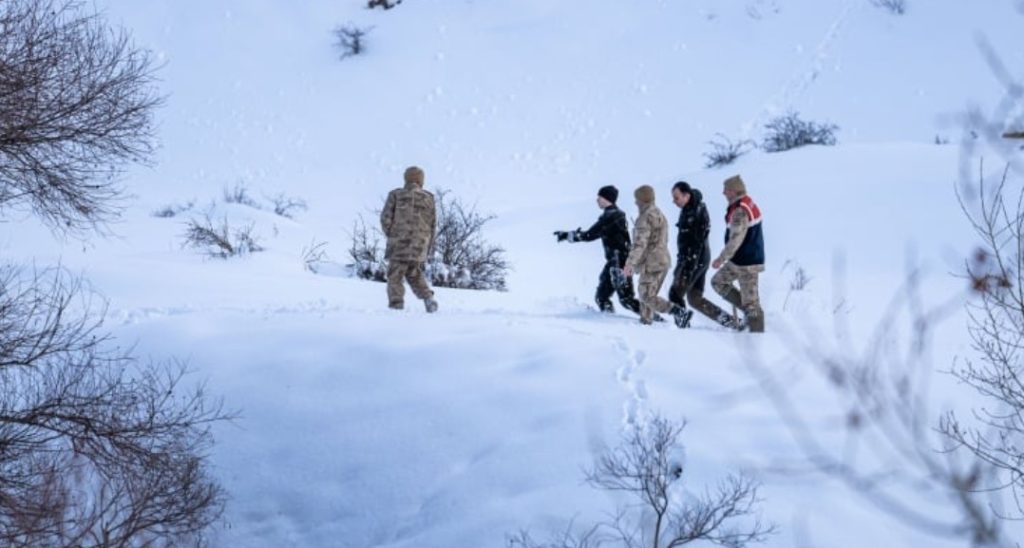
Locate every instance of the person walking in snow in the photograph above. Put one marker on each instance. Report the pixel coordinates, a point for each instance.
(613, 230)
(409, 220)
(650, 256)
(742, 259)
(692, 260)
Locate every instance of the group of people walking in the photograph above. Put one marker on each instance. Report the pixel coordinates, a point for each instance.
(647, 254)
(409, 221)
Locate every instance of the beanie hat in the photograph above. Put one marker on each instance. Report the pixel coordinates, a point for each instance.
(683, 186)
(414, 175)
(735, 184)
(644, 194)
(609, 193)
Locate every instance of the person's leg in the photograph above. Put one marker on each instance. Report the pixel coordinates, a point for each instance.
(650, 284)
(723, 280)
(420, 287)
(604, 291)
(751, 300)
(396, 291)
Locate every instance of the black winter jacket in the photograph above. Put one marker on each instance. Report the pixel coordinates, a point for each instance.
(613, 230)
(694, 252)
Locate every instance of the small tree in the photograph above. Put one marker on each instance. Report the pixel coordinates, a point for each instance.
(647, 466)
(789, 131)
(76, 106)
(97, 449)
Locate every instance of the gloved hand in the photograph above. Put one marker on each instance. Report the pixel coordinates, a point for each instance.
(561, 235)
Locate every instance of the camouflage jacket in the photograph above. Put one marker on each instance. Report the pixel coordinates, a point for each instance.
(409, 220)
(650, 242)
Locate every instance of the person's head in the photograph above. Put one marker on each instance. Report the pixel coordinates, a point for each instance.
(644, 195)
(414, 175)
(606, 196)
(733, 188)
(681, 193)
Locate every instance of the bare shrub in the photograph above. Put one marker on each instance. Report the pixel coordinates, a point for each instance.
(789, 131)
(996, 327)
(287, 206)
(76, 105)
(367, 252)
(384, 4)
(460, 258)
(895, 7)
(97, 449)
(350, 40)
(173, 210)
(218, 240)
(647, 466)
(239, 194)
(724, 151)
(314, 256)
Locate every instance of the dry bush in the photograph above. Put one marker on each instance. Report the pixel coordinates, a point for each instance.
(789, 131)
(350, 40)
(173, 210)
(219, 240)
(383, 4)
(724, 151)
(895, 7)
(314, 256)
(239, 194)
(286, 206)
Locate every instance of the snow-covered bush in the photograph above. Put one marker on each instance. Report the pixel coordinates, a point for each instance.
(350, 40)
(724, 151)
(461, 258)
(173, 210)
(648, 467)
(789, 131)
(218, 240)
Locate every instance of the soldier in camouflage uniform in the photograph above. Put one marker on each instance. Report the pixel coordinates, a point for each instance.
(742, 259)
(650, 256)
(409, 220)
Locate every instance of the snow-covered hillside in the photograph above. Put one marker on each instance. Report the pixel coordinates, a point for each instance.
(365, 427)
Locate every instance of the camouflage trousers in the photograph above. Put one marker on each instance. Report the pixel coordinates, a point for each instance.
(747, 297)
(398, 272)
(648, 287)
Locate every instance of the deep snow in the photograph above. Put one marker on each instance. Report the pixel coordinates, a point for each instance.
(365, 427)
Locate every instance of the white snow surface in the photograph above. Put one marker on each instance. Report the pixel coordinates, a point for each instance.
(364, 427)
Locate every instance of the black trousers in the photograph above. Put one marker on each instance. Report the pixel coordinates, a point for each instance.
(688, 282)
(605, 289)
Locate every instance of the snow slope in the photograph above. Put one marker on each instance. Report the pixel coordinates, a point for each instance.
(364, 427)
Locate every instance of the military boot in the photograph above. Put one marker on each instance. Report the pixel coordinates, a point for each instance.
(681, 316)
(430, 304)
(755, 320)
